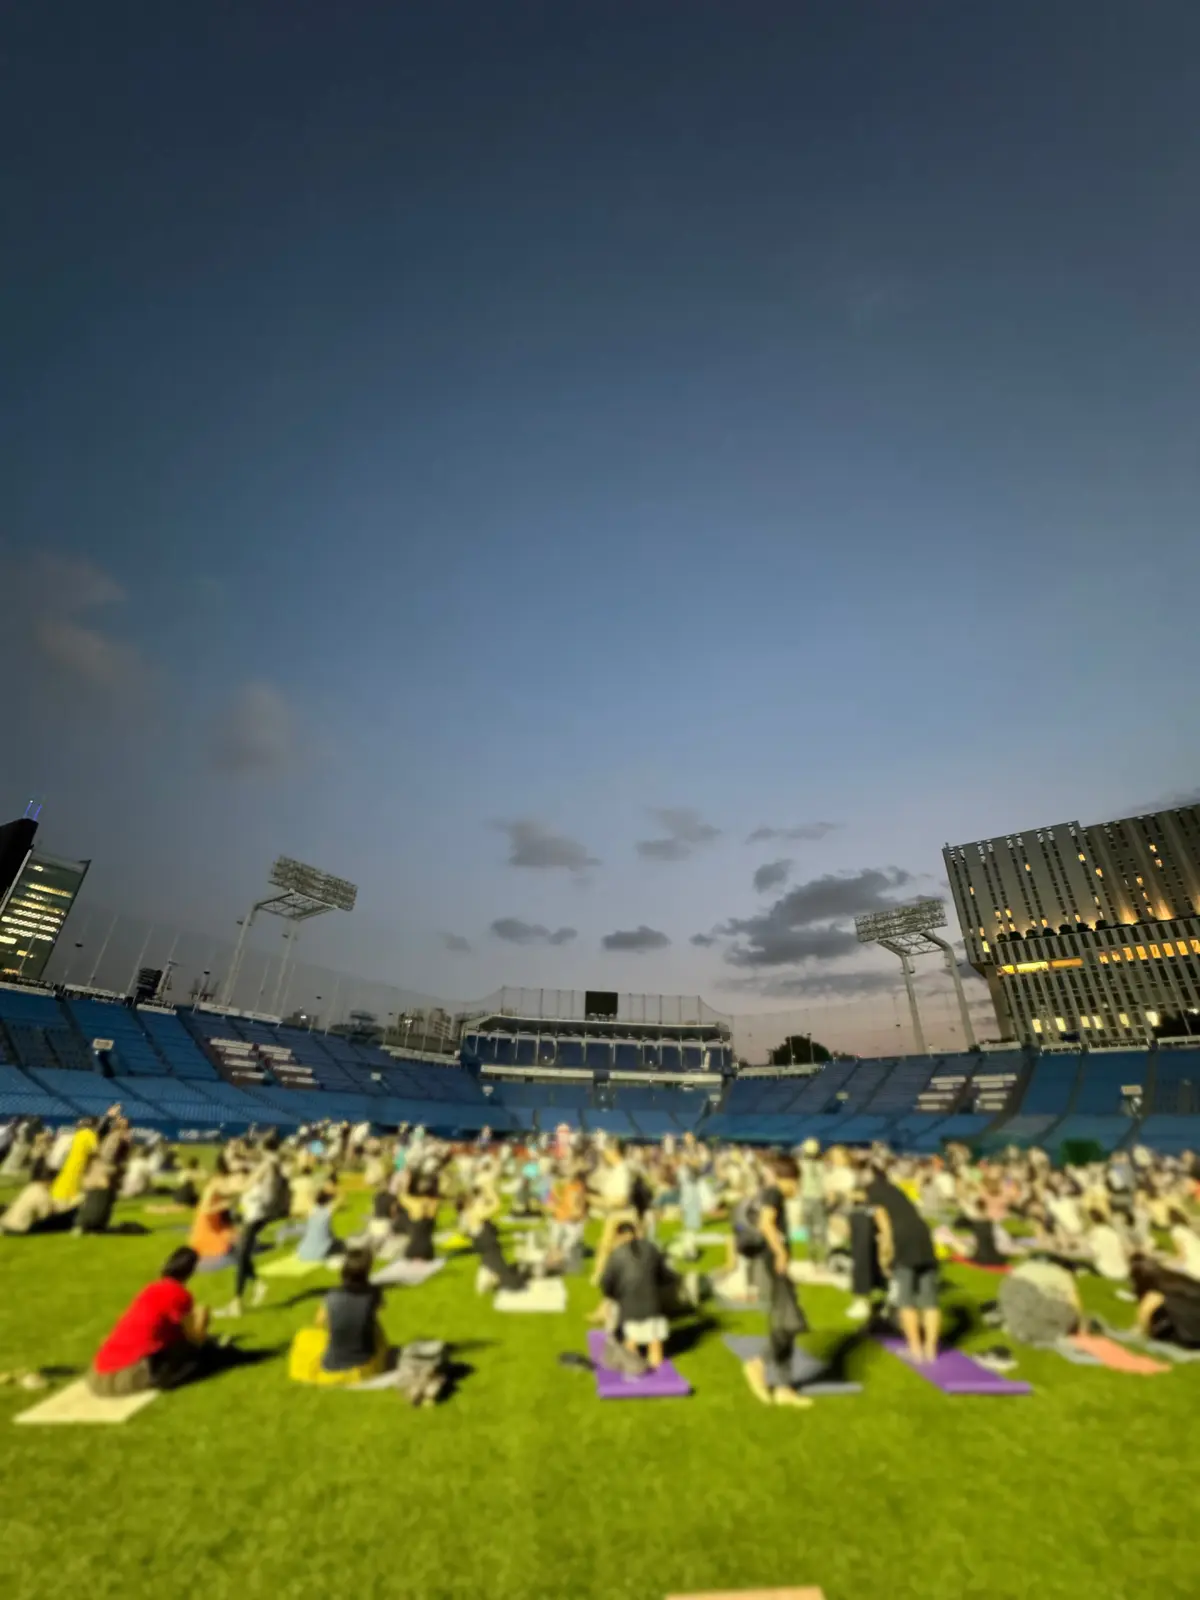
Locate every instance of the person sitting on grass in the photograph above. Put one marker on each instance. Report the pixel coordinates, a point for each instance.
(478, 1225)
(347, 1343)
(1186, 1243)
(99, 1197)
(1168, 1303)
(161, 1340)
(907, 1256)
(319, 1241)
(1107, 1249)
(33, 1209)
(769, 1252)
(213, 1232)
(422, 1202)
(69, 1182)
(636, 1281)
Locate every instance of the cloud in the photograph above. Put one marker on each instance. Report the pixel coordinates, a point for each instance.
(635, 939)
(806, 924)
(75, 585)
(532, 844)
(771, 875)
(685, 831)
(822, 985)
(256, 734)
(89, 657)
(702, 940)
(515, 931)
(807, 831)
(455, 943)
(48, 606)
(1166, 802)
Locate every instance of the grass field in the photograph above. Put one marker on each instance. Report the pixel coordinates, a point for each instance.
(524, 1485)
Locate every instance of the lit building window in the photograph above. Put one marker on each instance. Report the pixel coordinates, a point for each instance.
(1060, 1024)
(1141, 952)
(986, 948)
(1155, 952)
(1098, 1024)
(1082, 857)
(1123, 1020)
(1168, 948)
(1028, 868)
(1103, 959)
(1037, 1025)
(1152, 1018)
(1086, 1021)
(1099, 874)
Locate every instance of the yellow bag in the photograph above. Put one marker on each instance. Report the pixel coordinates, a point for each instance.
(308, 1350)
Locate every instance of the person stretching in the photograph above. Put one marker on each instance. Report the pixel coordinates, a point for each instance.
(765, 1242)
(161, 1340)
(907, 1255)
(635, 1280)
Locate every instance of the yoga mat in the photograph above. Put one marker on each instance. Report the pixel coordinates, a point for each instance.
(808, 1371)
(954, 1372)
(216, 1263)
(1117, 1357)
(542, 1294)
(411, 1274)
(293, 1267)
(711, 1237)
(76, 1403)
(969, 1261)
(1077, 1358)
(736, 1305)
(665, 1384)
(1171, 1352)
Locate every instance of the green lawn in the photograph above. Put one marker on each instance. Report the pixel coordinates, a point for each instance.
(523, 1485)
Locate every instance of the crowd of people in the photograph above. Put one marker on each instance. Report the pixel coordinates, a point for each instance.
(873, 1222)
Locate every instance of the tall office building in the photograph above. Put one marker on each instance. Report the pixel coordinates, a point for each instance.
(1091, 932)
(34, 914)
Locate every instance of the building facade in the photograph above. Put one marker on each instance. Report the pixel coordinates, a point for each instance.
(1086, 932)
(35, 912)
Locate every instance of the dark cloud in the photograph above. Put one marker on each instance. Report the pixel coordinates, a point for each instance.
(635, 939)
(702, 940)
(684, 832)
(532, 844)
(807, 831)
(808, 923)
(822, 985)
(1167, 802)
(456, 943)
(771, 875)
(256, 734)
(515, 931)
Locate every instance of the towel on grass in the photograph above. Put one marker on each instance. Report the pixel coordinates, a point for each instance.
(77, 1403)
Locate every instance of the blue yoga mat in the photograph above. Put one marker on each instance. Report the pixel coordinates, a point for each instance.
(808, 1371)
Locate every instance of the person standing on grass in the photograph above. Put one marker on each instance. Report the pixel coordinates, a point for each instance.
(637, 1281)
(265, 1201)
(813, 1218)
(767, 1246)
(907, 1255)
(161, 1340)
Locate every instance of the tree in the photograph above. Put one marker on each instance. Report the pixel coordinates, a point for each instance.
(799, 1050)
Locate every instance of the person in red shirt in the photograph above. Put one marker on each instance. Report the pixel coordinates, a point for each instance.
(160, 1340)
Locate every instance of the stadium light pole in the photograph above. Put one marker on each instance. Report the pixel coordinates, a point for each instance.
(906, 931)
(302, 892)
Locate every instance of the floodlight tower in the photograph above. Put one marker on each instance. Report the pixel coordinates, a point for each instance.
(304, 892)
(907, 931)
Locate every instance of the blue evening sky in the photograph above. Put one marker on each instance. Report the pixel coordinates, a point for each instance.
(416, 418)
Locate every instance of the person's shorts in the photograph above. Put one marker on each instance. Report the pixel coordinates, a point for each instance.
(916, 1288)
(652, 1330)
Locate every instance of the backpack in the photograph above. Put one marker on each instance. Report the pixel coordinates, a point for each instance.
(422, 1371)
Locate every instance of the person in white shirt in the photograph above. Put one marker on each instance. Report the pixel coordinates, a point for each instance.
(1187, 1244)
(1107, 1248)
(614, 1187)
(60, 1149)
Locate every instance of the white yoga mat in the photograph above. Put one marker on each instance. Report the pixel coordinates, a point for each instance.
(294, 1267)
(77, 1403)
(543, 1294)
(410, 1274)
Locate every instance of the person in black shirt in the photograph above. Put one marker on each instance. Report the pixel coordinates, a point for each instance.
(494, 1271)
(770, 1376)
(906, 1253)
(637, 1280)
(357, 1343)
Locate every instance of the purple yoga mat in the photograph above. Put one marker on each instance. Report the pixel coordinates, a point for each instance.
(665, 1384)
(954, 1372)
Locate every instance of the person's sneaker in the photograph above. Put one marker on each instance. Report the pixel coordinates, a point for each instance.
(996, 1361)
(858, 1310)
